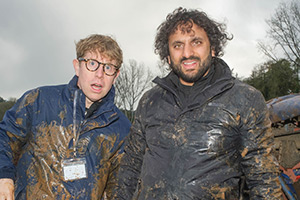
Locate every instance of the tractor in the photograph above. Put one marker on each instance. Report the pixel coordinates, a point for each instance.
(285, 117)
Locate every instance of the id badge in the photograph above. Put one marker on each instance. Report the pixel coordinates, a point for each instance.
(74, 169)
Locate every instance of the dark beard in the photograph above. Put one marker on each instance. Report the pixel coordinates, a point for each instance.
(191, 79)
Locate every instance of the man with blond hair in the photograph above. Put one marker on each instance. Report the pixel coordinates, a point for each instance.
(65, 141)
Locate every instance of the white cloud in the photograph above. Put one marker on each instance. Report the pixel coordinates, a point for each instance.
(11, 55)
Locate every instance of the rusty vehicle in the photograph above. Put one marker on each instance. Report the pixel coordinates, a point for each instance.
(285, 117)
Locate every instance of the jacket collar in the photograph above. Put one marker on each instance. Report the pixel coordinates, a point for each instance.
(107, 102)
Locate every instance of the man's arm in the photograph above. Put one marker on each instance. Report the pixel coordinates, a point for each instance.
(131, 163)
(114, 168)
(7, 168)
(7, 189)
(13, 130)
(259, 164)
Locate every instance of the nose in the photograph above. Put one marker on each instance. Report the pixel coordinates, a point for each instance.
(188, 51)
(99, 72)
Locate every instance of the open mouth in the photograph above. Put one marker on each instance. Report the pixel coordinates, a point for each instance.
(189, 65)
(189, 62)
(96, 87)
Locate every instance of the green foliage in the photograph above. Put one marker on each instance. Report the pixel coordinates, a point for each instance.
(5, 105)
(275, 79)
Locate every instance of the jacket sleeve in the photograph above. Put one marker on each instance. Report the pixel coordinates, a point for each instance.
(13, 133)
(132, 160)
(113, 171)
(258, 162)
(116, 159)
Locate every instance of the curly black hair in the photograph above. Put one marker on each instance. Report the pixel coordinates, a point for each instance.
(181, 16)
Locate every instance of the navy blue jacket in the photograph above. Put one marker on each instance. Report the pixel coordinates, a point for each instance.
(36, 136)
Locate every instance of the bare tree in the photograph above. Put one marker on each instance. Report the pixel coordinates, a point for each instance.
(133, 81)
(284, 33)
(163, 69)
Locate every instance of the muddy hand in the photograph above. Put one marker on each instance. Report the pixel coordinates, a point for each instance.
(6, 189)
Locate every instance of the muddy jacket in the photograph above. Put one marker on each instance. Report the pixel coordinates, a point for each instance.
(37, 139)
(202, 150)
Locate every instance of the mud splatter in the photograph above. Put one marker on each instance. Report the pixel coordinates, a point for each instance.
(15, 145)
(238, 117)
(105, 145)
(244, 152)
(29, 99)
(218, 192)
(19, 121)
(45, 171)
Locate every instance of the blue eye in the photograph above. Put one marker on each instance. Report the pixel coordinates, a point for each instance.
(108, 67)
(92, 63)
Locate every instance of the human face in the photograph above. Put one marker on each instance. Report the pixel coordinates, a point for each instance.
(190, 54)
(95, 85)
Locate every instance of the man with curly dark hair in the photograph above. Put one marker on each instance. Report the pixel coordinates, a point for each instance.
(199, 133)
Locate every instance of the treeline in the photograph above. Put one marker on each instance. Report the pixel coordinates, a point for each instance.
(280, 75)
(5, 105)
(275, 79)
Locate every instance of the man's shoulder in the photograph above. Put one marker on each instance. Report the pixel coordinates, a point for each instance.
(153, 93)
(243, 93)
(246, 88)
(52, 88)
(43, 93)
(123, 119)
(51, 91)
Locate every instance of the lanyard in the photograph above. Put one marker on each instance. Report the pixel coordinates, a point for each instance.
(75, 124)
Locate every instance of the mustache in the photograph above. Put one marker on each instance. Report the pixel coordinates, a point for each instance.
(190, 58)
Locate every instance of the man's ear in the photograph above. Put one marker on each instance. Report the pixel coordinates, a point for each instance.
(169, 60)
(213, 53)
(76, 66)
(116, 76)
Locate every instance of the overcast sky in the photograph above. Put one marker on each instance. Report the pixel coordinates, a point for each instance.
(37, 37)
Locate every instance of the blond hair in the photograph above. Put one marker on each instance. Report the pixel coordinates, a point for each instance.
(102, 44)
